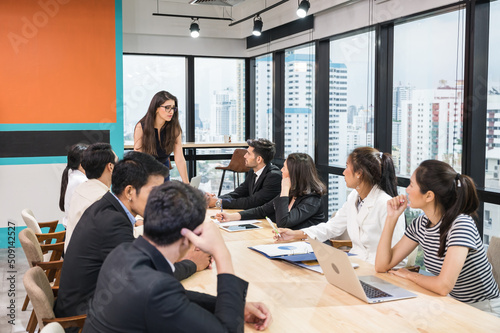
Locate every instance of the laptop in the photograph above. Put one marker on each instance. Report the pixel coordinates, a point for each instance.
(195, 181)
(339, 272)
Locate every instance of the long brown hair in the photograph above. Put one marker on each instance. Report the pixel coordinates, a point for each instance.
(376, 168)
(303, 175)
(454, 194)
(170, 130)
(75, 154)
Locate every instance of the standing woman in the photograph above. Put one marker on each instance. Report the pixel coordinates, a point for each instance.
(299, 203)
(371, 174)
(453, 250)
(159, 133)
(73, 175)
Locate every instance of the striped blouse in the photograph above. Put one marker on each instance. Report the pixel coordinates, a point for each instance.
(475, 282)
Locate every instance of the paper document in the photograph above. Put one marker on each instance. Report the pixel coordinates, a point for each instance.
(284, 249)
(230, 223)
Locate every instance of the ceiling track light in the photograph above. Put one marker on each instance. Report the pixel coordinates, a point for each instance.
(194, 28)
(257, 26)
(303, 8)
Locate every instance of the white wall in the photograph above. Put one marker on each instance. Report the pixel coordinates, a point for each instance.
(34, 186)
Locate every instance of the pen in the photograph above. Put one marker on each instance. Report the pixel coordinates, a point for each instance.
(272, 226)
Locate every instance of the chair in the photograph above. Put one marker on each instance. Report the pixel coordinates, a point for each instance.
(34, 253)
(494, 257)
(41, 295)
(33, 224)
(52, 328)
(236, 165)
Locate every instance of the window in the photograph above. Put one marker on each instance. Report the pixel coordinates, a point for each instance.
(351, 85)
(491, 221)
(297, 109)
(491, 175)
(338, 193)
(143, 77)
(428, 91)
(219, 99)
(263, 100)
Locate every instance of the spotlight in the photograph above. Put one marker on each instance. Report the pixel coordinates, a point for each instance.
(194, 28)
(303, 8)
(257, 25)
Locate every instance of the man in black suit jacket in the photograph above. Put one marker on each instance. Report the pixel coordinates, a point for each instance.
(106, 224)
(137, 290)
(262, 183)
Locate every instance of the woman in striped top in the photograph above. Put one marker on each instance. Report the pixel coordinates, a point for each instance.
(453, 250)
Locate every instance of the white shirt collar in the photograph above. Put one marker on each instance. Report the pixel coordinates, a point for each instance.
(258, 172)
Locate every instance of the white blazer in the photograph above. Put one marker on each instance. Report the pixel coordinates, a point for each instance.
(364, 227)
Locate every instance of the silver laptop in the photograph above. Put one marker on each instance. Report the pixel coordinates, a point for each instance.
(339, 272)
(195, 181)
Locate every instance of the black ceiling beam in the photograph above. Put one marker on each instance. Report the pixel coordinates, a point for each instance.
(195, 17)
(259, 12)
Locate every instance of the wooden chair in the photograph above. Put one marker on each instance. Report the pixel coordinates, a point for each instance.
(41, 295)
(494, 257)
(33, 224)
(34, 252)
(236, 165)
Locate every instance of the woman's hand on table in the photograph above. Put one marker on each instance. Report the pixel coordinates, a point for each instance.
(287, 235)
(226, 217)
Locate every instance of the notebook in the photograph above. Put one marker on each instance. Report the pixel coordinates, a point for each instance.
(339, 272)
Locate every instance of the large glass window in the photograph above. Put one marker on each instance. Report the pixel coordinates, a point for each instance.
(351, 95)
(219, 99)
(428, 91)
(299, 100)
(492, 179)
(491, 222)
(264, 97)
(143, 77)
(337, 193)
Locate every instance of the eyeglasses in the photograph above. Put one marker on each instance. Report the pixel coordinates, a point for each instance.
(169, 108)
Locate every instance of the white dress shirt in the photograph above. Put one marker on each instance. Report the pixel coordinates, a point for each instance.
(364, 226)
(75, 178)
(85, 195)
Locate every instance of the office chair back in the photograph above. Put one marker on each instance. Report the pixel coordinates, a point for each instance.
(40, 293)
(30, 220)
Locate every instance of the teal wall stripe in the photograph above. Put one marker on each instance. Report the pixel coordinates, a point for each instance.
(117, 133)
(4, 232)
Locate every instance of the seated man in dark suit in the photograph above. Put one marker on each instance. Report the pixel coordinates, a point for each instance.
(137, 290)
(106, 224)
(262, 183)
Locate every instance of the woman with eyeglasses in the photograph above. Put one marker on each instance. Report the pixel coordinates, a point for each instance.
(159, 133)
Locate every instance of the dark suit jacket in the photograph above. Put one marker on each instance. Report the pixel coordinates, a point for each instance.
(102, 227)
(307, 210)
(140, 294)
(250, 195)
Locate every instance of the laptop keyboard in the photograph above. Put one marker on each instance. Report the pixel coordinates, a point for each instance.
(372, 292)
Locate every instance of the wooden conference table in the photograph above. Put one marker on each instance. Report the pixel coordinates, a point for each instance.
(301, 300)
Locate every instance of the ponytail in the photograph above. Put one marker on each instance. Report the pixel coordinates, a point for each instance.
(388, 181)
(74, 160)
(454, 193)
(376, 168)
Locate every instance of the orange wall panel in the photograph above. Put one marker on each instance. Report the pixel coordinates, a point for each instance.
(57, 61)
